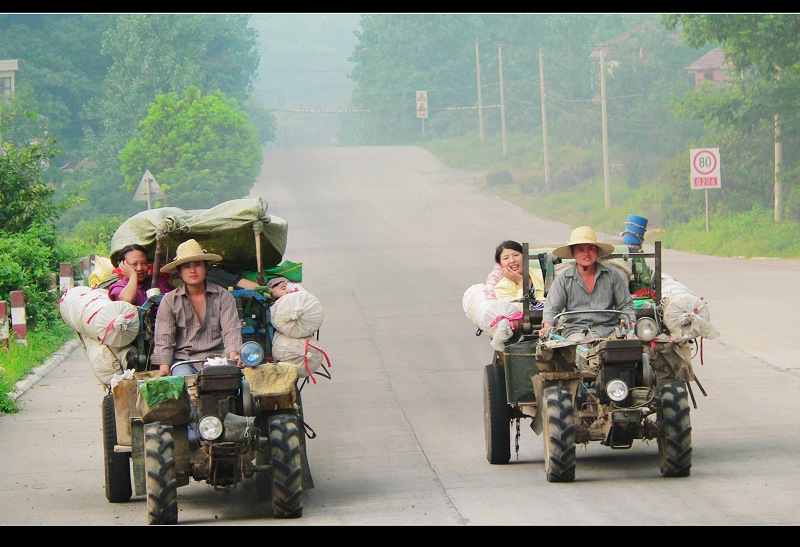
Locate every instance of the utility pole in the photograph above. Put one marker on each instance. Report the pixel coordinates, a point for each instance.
(606, 176)
(778, 160)
(544, 121)
(480, 100)
(502, 101)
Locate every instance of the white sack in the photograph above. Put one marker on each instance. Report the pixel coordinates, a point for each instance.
(105, 362)
(483, 313)
(297, 351)
(117, 323)
(670, 286)
(69, 297)
(686, 316)
(297, 314)
(85, 312)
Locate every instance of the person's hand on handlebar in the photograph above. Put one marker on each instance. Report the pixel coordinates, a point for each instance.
(545, 330)
(234, 356)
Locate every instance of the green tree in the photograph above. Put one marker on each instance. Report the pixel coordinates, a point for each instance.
(155, 54)
(398, 54)
(61, 67)
(762, 90)
(30, 248)
(201, 149)
(25, 200)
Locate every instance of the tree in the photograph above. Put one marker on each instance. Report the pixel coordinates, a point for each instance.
(765, 82)
(30, 249)
(200, 149)
(61, 67)
(156, 54)
(25, 200)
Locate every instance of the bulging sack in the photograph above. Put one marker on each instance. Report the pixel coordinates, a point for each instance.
(297, 314)
(117, 323)
(89, 305)
(66, 301)
(485, 314)
(304, 353)
(105, 361)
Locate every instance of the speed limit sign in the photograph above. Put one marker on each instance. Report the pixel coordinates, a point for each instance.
(705, 168)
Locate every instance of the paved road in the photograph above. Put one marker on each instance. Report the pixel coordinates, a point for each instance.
(390, 239)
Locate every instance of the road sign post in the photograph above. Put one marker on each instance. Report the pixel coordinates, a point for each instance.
(422, 107)
(148, 188)
(705, 171)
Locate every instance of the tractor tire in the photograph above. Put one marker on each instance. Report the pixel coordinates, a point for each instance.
(559, 435)
(161, 470)
(496, 415)
(675, 440)
(287, 469)
(117, 464)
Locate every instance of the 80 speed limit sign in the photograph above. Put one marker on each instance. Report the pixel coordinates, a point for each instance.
(705, 168)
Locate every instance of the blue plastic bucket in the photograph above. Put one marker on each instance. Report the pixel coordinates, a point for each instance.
(635, 228)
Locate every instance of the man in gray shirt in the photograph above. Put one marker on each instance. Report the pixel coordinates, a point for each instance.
(587, 285)
(197, 320)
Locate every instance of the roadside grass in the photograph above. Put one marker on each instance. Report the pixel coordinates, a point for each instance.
(18, 360)
(518, 178)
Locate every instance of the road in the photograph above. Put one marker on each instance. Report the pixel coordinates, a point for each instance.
(390, 238)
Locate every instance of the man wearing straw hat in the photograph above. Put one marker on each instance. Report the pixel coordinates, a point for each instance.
(198, 319)
(587, 285)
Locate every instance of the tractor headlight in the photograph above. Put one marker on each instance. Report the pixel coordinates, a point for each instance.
(646, 329)
(617, 390)
(210, 428)
(252, 354)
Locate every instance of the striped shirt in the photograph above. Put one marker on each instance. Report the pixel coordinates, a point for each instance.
(569, 293)
(179, 335)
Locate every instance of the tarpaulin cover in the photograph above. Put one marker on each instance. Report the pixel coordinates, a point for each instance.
(227, 229)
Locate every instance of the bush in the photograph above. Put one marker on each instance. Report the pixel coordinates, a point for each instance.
(30, 262)
(499, 178)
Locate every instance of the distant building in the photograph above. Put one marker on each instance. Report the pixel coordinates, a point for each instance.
(7, 83)
(710, 67)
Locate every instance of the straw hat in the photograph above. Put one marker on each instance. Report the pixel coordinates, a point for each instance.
(190, 251)
(583, 235)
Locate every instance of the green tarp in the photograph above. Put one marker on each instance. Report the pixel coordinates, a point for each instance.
(228, 229)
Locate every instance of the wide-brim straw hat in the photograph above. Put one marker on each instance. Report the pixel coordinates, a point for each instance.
(583, 235)
(190, 251)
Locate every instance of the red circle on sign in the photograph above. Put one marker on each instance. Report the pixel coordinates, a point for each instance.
(694, 162)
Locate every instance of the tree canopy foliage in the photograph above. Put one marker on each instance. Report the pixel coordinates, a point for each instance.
(761, 89)
(653, 112)
(396, 55)
(92, 78)
(200, 149)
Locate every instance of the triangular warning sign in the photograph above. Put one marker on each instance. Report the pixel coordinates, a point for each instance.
(422, 97)
(148, 188)
(422, 107)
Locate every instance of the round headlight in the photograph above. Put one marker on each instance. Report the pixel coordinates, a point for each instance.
(646, 329)
(210, 428)
(617, 390)
(252, 354)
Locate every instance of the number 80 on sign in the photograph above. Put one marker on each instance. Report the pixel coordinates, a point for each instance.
(705, 168)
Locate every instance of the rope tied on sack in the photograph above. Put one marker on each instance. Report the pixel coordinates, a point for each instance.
(305, 358)
(121, 325)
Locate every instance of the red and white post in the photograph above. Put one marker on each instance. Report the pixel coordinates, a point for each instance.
(65, 280)
(4, 323)
(18, 321)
